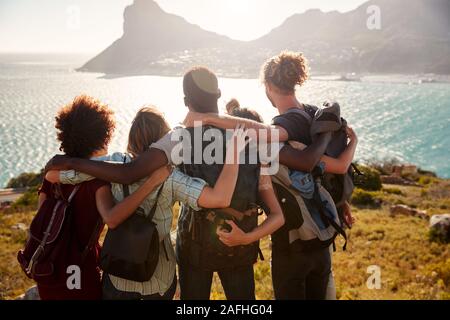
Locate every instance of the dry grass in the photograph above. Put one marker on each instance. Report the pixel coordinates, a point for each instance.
(412, 267)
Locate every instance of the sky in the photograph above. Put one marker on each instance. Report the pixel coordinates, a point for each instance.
(87, 26)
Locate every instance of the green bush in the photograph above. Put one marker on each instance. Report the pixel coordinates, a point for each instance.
(370, 179)
(29, 200)
(27, 179)
(427, 173)
(439, 237)
(365, 198)
(425, 180)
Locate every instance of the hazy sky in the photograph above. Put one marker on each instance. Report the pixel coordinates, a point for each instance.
(90, 26)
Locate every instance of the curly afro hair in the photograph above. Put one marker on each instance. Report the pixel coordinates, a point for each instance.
(84, 126)
(286, 71)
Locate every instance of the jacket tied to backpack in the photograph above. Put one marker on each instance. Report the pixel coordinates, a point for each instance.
(312, 218)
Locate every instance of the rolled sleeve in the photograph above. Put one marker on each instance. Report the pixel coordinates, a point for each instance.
(73, 177)
(187, 189)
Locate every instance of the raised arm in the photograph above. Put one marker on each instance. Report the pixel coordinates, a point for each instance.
(221, 194)
(341, 164)
(230, 122)
(128, 173)
(114, 214)
(305, 160)
(274, 221)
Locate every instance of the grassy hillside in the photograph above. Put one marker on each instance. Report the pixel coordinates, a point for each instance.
(412, 267)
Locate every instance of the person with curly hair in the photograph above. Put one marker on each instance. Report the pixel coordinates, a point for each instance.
(148, 127)
(296, 274)
(85, 128)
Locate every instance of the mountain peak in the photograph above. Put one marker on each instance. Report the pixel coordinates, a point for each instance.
(157, 42)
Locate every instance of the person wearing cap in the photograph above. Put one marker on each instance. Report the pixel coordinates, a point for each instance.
(296, 274)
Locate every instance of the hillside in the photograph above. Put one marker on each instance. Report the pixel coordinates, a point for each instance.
(148, 34)
(414, 38)
(412, 266)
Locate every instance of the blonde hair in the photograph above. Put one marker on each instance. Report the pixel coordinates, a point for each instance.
(148, 127)
(285, 71)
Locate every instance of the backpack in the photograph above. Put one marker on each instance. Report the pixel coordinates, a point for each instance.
(52, 245)
(340, 186)
(316, 222)
(198, 238)
(131, 251)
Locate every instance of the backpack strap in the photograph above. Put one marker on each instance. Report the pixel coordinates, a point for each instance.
(40, 248)
(155, 206)
(302, 112)
(355, 168)
(260, 254)
(325, 218)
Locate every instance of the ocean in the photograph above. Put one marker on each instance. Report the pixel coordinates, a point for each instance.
(393, 117)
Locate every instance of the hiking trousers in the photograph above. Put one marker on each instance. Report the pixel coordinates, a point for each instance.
(195, 284)
(301, 275)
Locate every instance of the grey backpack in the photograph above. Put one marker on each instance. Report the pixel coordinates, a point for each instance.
(340, 186)
(313, 222)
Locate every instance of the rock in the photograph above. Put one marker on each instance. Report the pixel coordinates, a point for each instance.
(30, 294)
(401, 170)
(396, 180)
(440, 227)
(409, 169)
(20, 226)
(407, 211)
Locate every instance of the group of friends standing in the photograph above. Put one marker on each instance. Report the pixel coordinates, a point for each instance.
(206, 192)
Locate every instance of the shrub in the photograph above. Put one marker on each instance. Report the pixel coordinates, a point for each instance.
(364, 198)
(370, 180)
(427, 173)
(29, 200)
(438, 236)
(25, 180)
(384, 166)
(425, 180)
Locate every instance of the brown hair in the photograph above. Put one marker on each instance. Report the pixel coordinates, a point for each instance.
(84, 126)
(234, 109)
(286, 71)
(148, 127)
(232, 105)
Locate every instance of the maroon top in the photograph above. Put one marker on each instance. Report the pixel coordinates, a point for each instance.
(86, 217)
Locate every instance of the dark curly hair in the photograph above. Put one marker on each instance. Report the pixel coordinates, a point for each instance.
(286, 71)
(84, 126)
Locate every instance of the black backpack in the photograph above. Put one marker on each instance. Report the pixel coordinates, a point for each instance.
(131, 251)
(340, 186)
(199, 239)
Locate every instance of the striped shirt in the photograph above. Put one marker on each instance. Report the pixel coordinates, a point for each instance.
(178, 187)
